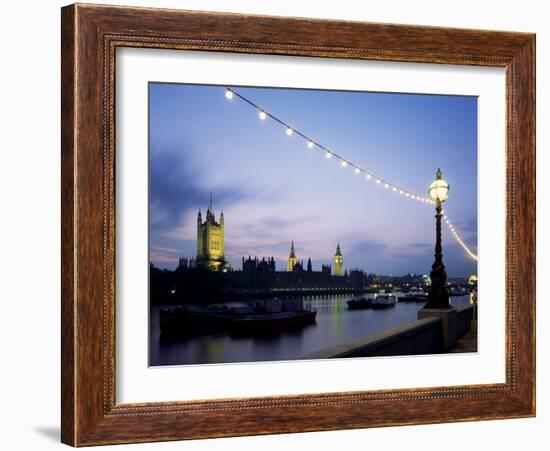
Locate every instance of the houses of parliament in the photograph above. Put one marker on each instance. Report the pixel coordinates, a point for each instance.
(261, 274)
(211, 243)
(293, 265)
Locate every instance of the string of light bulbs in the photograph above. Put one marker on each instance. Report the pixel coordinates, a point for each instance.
(313, 144)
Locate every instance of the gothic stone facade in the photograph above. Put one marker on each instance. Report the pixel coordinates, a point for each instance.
(210, 241)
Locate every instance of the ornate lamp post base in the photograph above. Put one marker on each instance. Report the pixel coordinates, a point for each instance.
(438, 296)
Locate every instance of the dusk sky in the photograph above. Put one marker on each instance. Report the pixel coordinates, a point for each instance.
(273, 189)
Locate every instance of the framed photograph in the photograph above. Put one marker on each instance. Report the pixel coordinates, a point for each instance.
(279, 225)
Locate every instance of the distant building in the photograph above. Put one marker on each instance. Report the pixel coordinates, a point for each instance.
(338, 262)
(254, 264)
(291, 259)
(259, 275)
(186, 263)
(256, 272)
(210, 240)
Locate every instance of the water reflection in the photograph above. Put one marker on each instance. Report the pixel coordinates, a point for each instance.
(334, 324)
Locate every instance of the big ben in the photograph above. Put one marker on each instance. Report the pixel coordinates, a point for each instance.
(338, 262)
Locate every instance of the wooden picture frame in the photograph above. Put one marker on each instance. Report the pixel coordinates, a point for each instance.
(90, 36)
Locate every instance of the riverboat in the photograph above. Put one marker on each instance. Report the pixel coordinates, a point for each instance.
(272, 322)
(359, 304)
(269, 314)
(414, 296)
(183, 321)
(383, 301)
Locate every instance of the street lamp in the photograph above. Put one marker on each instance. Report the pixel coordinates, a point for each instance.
(438, 296)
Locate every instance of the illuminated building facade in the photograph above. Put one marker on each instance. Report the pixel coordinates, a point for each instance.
(210, 240)
(291, 259)
(338, 262)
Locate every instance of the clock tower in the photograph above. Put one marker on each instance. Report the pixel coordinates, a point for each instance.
(338, 262)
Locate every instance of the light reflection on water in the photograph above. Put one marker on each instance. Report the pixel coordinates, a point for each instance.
(335, 324)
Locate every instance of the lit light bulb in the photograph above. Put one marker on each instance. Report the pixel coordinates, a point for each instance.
(394, 189)
(369, 176)
(400, 191)
(310, 144)
(329, 155)
(378, 181)
(228, 94)
(386, 185)
(344, 163)
(357, 170)
(262, 115)
(407, 194)
(289, 131)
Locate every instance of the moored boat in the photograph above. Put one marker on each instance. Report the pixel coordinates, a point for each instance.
(182, 321)
(273, 322)
(458, 292)
(269, 314)
(383, 301)
(414, 296)
(359, 304)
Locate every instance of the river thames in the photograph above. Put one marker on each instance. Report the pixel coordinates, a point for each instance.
(334, 324)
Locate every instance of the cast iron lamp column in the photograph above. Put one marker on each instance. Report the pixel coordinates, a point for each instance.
(438, 296)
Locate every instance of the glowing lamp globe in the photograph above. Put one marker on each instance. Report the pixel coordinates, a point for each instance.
(439, 189)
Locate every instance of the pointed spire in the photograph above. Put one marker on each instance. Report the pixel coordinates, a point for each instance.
(210, 204)
(338, 252)
(292, 253)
